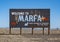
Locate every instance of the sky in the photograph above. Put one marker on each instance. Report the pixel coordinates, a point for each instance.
(54, 6)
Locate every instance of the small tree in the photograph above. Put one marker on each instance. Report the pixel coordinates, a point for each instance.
(57, 28)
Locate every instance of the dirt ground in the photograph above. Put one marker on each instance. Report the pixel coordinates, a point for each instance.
(26, 35)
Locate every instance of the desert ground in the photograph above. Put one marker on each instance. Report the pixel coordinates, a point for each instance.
(26, 35)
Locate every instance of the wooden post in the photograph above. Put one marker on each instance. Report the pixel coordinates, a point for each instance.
(20, 31)
(9, 30)
(48, 30)
(43, 30)
(32, 31)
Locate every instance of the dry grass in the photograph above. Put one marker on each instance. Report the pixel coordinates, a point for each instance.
(27, 37)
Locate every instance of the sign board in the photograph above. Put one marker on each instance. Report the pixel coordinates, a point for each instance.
(29, 17)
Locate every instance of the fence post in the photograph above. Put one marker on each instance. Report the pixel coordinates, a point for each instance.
(20, 31)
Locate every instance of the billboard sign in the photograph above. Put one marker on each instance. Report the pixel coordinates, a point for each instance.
(29, 17)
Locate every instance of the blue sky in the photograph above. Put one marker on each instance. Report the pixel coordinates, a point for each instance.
(54, 6)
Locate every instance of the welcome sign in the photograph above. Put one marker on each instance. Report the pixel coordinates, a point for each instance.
(29, 17)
